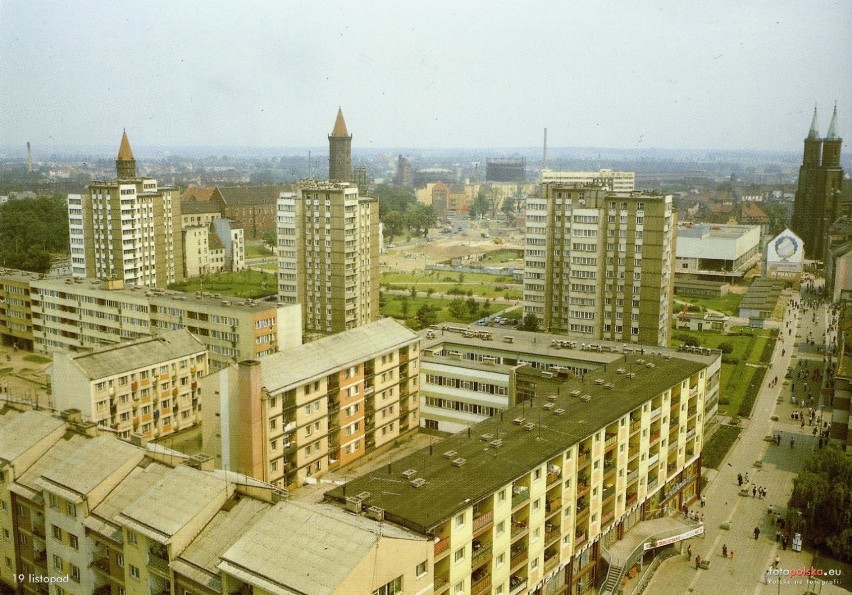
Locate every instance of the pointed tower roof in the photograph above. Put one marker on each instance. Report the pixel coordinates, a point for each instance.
(125, 153)
(340, 125)
(832, 129)
(814, 131)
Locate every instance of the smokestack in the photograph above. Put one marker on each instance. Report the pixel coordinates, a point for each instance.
(29, 158)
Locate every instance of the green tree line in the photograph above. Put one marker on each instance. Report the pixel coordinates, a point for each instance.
(31, 230)
(400, 212)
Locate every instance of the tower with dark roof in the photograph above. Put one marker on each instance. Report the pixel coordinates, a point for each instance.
(817, 204)
(340, 151)
(125, 164)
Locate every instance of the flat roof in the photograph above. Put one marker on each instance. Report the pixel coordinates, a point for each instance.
(722, 231)
(21, 431)
(451, 488)
(168, 505)
(26, 484)
(89, 466)
(141, 353)
(305, 548)
(294, 365)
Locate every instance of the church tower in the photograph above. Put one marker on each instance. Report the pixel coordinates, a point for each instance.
(340, 151)
(817, 204)
(125, 164)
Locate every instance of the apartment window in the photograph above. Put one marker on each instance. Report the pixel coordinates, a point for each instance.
(391, 588)
(534, 564)
(73, 541)
(134, 572)
(75, 573)
(119, 559)
(131, 537)
(499, 560)
(420, 570)
(459, 588)
(537, 505)
(53, 501)
(501, 496)
(57, 562)
(498, 590)
(459, 555)
(6, 534)
(459, 520)
(57, 532)
(70, 509)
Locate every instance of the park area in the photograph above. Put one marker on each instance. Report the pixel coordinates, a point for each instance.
(243, 284)
(744, 353)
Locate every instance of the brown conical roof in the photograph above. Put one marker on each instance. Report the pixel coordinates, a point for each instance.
(125, 153)
(339, 125)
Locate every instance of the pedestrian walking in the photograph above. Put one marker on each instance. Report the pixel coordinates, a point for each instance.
(777, 561)
(724, 550)
(697, 561)
(753, 491)
(756, 533)
(689, 553)
(792, 443)
(784, 543)
(740, 479)
(703, 501)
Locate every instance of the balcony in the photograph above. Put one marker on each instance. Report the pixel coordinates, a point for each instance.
(518, 529)
(441, 546)
(519, 558)
(482, 520)
(607, 517)
(608, 493)
(632, 475)
(553, 477)
(653, 459)
(611, 441)
(655, 437)
(653, 483)
(480, 555)
(579, 539)
(655, 413)
(520, 497)
(441, 581)
(553, 505)
(634, 427)
(550, 562)
(516, 584)
(483, 585)
(101, 564)
(631, 499)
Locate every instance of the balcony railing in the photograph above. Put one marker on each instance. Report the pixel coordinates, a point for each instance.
(653, 459)
(611, 440)
(483, 552)
(634, 427)
(578, 539)
(631, 476)
(482, 520)
(518, 586)
(442, 546)
(607, 517)
(481, 586)
(520, 497)
(519, 558)
(656, 412)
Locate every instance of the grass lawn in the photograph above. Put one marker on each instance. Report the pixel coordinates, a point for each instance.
(37, 359)
(742, 372)
(729, 304)
(481, 285)
(245, 284)
(500, 256)
(403, 307)
(716, 449)
(257, 251)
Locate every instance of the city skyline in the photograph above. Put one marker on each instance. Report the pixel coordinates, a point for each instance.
(432, 76)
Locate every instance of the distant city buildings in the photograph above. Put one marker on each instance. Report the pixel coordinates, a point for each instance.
(600, 264)
(126, 229)
(402, 177)
(506, 170)
(620, 181)
(314, 407)
(818, 196)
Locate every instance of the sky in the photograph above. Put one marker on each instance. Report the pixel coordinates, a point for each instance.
(622, 74)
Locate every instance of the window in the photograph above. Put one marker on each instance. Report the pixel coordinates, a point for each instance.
(459, 555)
(420, 570)
(459, 520)
(70, 509)
(119, 559)
(57, 562)
(73, 541)
(131, 538)
(6, 534)
(459, 588)
(501, 527)
(391, 588)
(75, 573)
(499, 560)
(537, 504)
(134, 572)
(53, 500)
(57, 532)
(501, 496)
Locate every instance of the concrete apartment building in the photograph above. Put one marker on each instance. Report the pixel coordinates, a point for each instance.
(716, 252)
(600, 264)
(149, 386)
(213, 248)
(127, 229)
(469, 375)
(75, 315)
(541, 493)
(328, 248)
(316, 407)
(16, 327)
(618, 181)
(98, 515)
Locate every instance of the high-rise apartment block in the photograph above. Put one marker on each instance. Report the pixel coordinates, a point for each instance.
(339, 151)
(148, 387)
(817, 204)
(313, 408)
(328, 247)
(127, 229)
(600, 264)
(530, 500)
(83, 513)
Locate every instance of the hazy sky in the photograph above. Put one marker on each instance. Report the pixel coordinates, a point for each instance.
(667, 74)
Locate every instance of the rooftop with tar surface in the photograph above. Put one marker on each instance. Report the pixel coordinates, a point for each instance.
(468, 466)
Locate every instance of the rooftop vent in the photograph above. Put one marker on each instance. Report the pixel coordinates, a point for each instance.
(640, 361)
(418, 483)
(374, 512)
(409, 473)
(519, 420)
(631, 375)
(608, 385)
(586, 398)
(575, 393)
(353, 504)
(450, 454)
(552, 398)
(650, 365)
(599, 381)
(496, 443)
(486, 437)
(548, 406)
(559, 411)
(547, 374)
(529, 427)
(363, 495)
(620, 371)
(459, 462)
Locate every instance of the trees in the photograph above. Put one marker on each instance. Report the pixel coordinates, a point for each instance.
(822, 495)
(32, 229)
(530, 322)
(394, 224)
(420, 218)
(480, 206)
(426, 316)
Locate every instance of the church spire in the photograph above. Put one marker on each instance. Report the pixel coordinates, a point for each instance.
(814, 131)
(125, 164)
(340, 125)
(832, 129)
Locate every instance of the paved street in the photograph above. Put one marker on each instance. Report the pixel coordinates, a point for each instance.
(743, 571)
